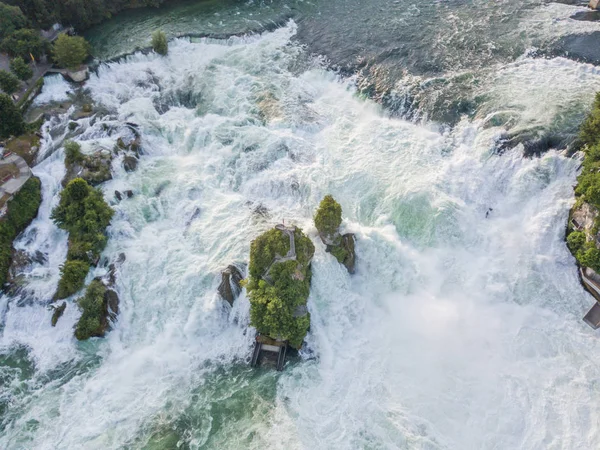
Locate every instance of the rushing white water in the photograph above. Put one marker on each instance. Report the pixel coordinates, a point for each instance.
(461, 329)
(56, 89)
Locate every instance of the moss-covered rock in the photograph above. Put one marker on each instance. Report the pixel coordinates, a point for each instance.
(99, 305)
(58, 311)
(94, 169)
(279, 284)
(328, 219)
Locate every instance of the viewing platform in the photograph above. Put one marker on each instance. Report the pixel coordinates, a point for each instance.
(269, 349)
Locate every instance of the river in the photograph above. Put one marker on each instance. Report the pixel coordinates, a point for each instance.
(461, 328)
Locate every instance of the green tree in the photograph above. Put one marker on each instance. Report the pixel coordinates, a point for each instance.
(21, 69)
(11, 19)
(72, 278)
(8, 82)
(328, 217)
(12, 120)
(576, 241)
(159, 42)
(23, 43)
(73, 153)
(93, 309)
(589, 132)
(70, 51)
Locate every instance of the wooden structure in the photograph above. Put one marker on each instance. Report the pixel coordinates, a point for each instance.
(267, 348)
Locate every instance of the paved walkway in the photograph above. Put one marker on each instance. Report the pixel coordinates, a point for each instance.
(14, 184)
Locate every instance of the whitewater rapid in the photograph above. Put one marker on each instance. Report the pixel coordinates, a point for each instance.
(460, 330)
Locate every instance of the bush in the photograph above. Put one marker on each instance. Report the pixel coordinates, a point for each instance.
(11, 19)
(93, 307)
(12, 120)
(70, 51)
(589, 132)
(73, 153)
(83, 212)
(72, 278)
(328, 217)
(21, 210)
(159, 42)
(23, 43)
(21, 69)
(8, 82)
(576, 241)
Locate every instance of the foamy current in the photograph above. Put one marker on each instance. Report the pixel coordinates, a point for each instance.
(460, 330)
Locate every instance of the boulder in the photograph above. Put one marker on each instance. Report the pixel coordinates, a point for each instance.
(94, 169)
(347, 244)
(77, 76)
(130, 163)
(118, 195)
(230, 286)
(58, 312)
(594, 4)
(128, 193)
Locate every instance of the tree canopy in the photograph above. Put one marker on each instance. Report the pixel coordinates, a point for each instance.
(11, 19)
(328, 217)
(12, 120)
(8, 82)
(21, 69)
(22, 43)
(70, 51)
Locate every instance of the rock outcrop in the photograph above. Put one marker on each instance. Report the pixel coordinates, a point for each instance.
(279, 284)
(58, 311)
(94, 168)
(230, 286)
(328, 220)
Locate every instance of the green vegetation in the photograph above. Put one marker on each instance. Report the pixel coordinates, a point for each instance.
(12, 120)
(8, 82)
(582, 246)
(159, 42)
(328, 217)
(21, 69)
(70, 51)
(82, 212)
(93, 317)
(277, 289)
(73, 153)
(22, 209)
(11, 19)
(24, 43)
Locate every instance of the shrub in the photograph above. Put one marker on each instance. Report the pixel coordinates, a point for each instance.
(73, 153)
(589, 257)
(72, 277)
(576, 241)
(328, 217)
(21, 69)
(159, 42)
(589, 132)
(93, 307)
(21, 210)
(12, 120)
(23, 43)
(8, 82)
(70, 51)
(11, 19)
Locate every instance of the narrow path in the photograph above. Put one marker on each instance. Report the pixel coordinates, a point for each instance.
(14, 184)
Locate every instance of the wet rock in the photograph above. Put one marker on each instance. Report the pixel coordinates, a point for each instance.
(130, 163)
(111, 300)
(194, 216)
(128, 193)
(58, 312)
(230, 286)
(118, 195)
(94, 169)
(534, 143)
(348, 241)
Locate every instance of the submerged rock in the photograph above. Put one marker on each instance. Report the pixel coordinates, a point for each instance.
(130, 163)
(328, 220)
(230, 286)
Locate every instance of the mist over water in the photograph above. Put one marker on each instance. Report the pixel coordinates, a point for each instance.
(460, 330)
